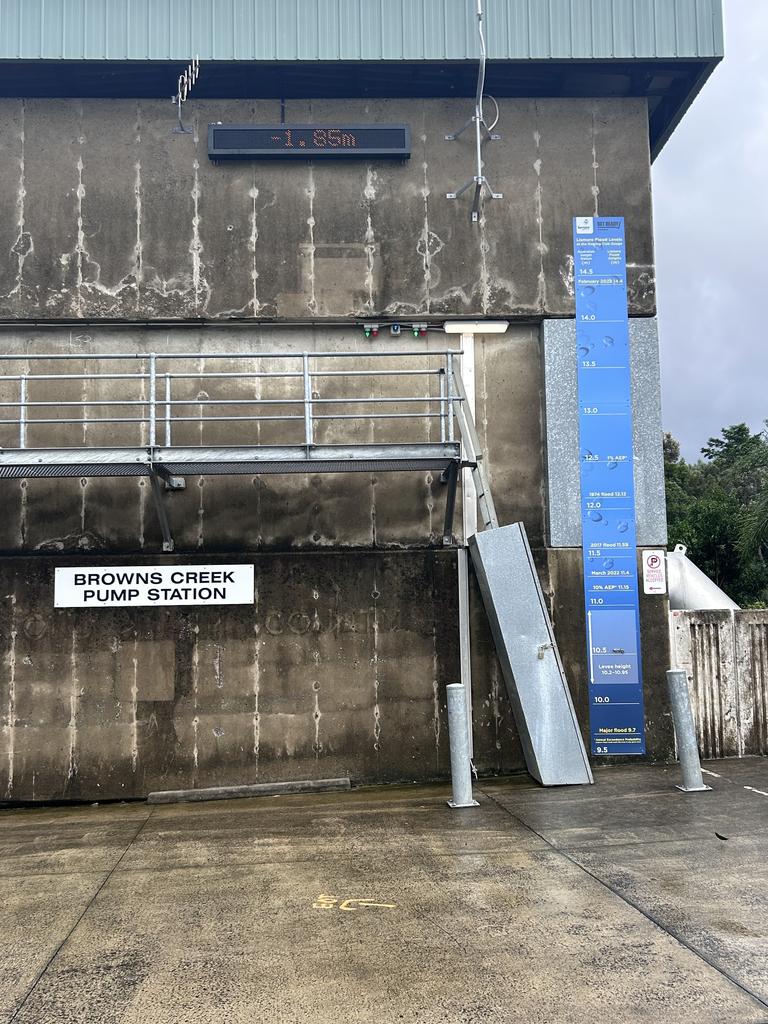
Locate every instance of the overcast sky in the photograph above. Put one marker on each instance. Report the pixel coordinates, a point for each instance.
(711, 218)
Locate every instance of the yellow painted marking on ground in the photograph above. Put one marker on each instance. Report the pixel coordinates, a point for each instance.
(324, 902)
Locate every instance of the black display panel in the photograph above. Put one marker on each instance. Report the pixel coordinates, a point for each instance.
(309, 141)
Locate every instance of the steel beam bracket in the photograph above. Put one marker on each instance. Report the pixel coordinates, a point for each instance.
(171, 482)
(155, 475)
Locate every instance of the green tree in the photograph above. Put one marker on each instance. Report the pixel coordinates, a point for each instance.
(718, 508)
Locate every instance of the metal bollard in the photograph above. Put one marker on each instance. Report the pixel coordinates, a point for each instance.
(685, 732)
(461, 766)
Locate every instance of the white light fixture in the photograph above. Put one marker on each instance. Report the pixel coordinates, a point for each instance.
(476, 326)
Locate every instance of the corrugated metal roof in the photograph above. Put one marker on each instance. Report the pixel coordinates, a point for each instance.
(357, 30)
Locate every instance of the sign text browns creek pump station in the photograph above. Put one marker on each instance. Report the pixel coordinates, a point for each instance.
(144, 586)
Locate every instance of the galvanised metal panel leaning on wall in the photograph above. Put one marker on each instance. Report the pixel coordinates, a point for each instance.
(287, 30)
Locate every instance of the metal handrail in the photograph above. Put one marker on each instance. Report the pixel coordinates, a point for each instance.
(159, 404)
(24, 357)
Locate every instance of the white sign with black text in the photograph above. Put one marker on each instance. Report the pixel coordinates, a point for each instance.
(655, 572)
(143, 586)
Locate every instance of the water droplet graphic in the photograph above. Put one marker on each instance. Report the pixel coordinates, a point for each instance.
(608, 341)
(623, 526)
(583, 351)
(608, 563)
(587, 290)
(612, 465)
(596, 517)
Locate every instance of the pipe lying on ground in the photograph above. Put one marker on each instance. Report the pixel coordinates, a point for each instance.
(186, 796)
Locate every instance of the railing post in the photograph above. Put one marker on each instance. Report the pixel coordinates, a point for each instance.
(152, 399)
(458, 737)
(308, 432)
(23, 412)
(685, 732)
(449, 374)
(441, 376)
(167, 410)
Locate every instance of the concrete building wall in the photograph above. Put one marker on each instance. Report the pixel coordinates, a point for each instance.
(340, 667)
(385, 510)
(311, 682)
(105, 213)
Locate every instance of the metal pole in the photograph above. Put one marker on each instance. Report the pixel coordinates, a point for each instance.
(465, 640)
(451, 391)
(152, 399)
(685, 732)
(461, 765)
(167, 410)
(23, 413)
(468, 492)
(307, 401)
(441, 375)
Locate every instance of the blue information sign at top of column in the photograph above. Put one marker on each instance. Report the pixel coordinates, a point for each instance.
(607, 487)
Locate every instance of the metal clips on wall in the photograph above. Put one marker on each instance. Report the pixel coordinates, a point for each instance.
(186, 83)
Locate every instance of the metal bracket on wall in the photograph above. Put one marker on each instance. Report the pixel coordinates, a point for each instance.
(172, 483)
(450, 476)
(157, 494)
(482, 132)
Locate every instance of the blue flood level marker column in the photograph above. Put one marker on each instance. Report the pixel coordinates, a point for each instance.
(611, 592)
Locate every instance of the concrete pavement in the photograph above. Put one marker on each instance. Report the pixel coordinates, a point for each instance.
(617, 902)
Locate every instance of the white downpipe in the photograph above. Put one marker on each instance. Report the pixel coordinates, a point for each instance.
(469, 495)
(469, 527)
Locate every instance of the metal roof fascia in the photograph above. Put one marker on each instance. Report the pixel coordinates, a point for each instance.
(684, 107)
(226, 30)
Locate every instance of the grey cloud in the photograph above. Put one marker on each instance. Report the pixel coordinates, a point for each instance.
(711, 213)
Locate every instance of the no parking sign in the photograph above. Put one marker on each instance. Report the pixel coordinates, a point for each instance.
(655, 572)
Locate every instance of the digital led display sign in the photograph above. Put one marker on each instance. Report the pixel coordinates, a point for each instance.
(309, 142)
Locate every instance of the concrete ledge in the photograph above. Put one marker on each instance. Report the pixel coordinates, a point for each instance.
(188, 796)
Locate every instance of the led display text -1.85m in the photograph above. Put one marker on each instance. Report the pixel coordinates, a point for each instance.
(308, 142)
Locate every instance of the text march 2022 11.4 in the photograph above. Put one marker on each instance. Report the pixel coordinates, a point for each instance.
(607, 488)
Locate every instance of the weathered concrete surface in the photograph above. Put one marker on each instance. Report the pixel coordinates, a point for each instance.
(224, 516)
(117, 703)
(51, 866)
(339, 669)
(566, 596)
(385, 510)
(696, 866)
(213, 912)
(725, 655)
(104, 213)
(564, 527)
